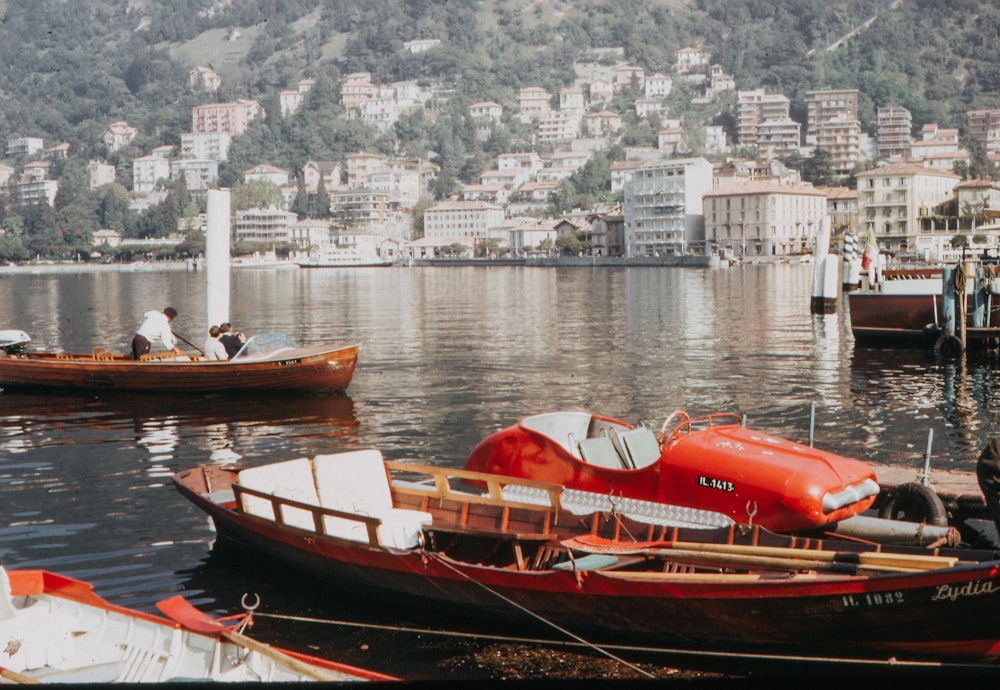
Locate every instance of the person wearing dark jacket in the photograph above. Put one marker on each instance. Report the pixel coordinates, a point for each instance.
(232, 341)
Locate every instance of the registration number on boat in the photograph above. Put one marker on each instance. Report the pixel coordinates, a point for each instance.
(713, 483)
(872, 600)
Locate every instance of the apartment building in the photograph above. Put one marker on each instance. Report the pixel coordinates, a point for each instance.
(690, 59)
(30, 191)
(356, 88)
(147, 171)
(893, 198)
(754, 107)
(265, 225)
(100, 174)
(938, 147)
(558, 127)
(469, 220)
(534, 102)
(211, 145)
(329, 171)
(24, 146)
(360, 207)
(627, 75)
(763, 218)
(232, 118)
(267, 173)
(833, 126)
(984, 127)
(199, 174)
(778, 137)
(486, 110)
(842, 208)
(894, 134)
(662, 207)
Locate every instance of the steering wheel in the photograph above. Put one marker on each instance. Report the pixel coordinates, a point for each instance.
(676, 432)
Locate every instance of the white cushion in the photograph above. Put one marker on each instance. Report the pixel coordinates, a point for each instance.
(292, 479)
(357, 482)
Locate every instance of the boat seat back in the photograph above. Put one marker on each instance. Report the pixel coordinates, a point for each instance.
(565, 428)
(600, 451)
(7, 609)
(358, 482)
(641, 445)
(291, 479)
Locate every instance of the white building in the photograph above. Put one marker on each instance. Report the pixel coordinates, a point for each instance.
(662, 207)
(147, 171)
(210, 145)
(267, 225)
(462, 219)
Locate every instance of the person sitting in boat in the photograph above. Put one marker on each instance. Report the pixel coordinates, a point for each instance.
(214, 349)
(155, 327)
(232, 340)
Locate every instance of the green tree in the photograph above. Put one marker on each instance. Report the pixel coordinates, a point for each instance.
(257, 194)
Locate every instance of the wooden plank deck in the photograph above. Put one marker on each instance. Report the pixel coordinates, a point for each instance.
(958, 489)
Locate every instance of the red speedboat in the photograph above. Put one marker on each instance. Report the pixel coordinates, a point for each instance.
(712, 463)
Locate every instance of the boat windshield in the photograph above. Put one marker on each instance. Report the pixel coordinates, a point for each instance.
(264, 343)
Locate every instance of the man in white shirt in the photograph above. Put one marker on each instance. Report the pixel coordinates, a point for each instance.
(155, 327)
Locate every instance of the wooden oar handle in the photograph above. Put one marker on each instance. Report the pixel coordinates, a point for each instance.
(19, 678)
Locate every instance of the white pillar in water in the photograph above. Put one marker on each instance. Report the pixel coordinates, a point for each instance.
(217, 257)
(825, 272)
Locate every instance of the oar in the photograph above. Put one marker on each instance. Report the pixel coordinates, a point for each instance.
(870, 560)
(188, 342)
(177, 609)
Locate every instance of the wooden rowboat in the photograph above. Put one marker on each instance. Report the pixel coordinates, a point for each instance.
(267, 362)
(55, 629)
(613, 570)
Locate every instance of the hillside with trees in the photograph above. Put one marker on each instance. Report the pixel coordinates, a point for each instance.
(71, 68)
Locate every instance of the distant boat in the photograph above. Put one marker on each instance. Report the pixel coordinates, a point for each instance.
(259, 260)
(266, 362)
(343, 257)
(55, 629)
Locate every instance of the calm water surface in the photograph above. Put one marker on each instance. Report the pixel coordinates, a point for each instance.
(448, 355)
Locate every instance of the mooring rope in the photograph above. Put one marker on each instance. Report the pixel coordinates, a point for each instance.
(638, 649)
(564, 631)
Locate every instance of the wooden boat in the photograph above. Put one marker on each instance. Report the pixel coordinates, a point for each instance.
(267, 362)
(614, 571)
(55, 629)
(907, 309)
(713, 462)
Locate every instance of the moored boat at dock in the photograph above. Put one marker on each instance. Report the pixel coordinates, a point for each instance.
(579, 561)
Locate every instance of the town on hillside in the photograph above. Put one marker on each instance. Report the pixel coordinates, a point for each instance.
(670, 202)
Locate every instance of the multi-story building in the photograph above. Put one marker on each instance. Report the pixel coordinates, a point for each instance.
(976, 198)
(893, 198)
(602, 124)
(662, 207)
(571, 98)
(754, 107)
(360, 207)
(267, 173)
(833, 126)
(763, 218)
(199, 174)
(841, 137)
(204, 79)
(360, 166)
(118, 135)
(842, 208)
(778, 138)
(627, 75)
(356, 88)
(102, 173)
(329, 171)
(147, 171)
(895, 125)
(6, 174)
(469, 220)
(938, 147)
(983, 126)
(607, 233)
(264, 225)
(289, 101)
(58, 152)
(600, 90)
(486, 110)
(310, 232)
(690, 59)
(658, 86)
(825, 105)
(24, 146)
(558, 127)
(211, 145)
(36, 170)
(534, 102)
(232, 118)
(30, 191)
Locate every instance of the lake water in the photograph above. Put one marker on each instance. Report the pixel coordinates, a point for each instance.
(448, 355)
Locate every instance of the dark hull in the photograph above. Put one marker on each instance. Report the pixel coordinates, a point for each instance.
(301, 369)
(907, 320)
(942, 614)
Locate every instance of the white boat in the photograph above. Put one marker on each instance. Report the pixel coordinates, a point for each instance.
(259, 260)
(343, 257)
(55, 629)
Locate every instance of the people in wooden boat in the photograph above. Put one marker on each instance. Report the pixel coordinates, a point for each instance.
(231, 339)
(155, 327)
(214, 349)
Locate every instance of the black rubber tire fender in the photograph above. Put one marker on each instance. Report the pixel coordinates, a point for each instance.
(914, 502)
(948, 345)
